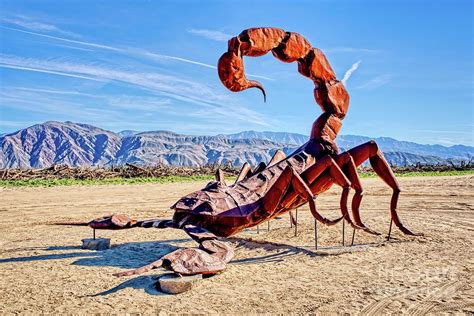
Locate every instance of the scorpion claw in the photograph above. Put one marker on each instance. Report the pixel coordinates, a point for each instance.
(189, 261)
(210, 258)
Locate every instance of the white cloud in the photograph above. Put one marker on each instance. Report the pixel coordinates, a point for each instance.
(64, 39)
(46, 71)
(350, 50)
(167, 86)
(141, 112)
(350, 71)
(34, 25)
(152, 80)
(155, 56)
(53, 107)
(376, 82)
(211, 34)
(128, 51)
(122, 101)
(41, 90)
(74, 47)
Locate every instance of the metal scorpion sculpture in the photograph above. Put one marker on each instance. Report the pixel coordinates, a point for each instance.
(285, 183)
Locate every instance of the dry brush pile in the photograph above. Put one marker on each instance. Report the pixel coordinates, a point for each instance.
(134, 171)
(461, 166)
(98, 173)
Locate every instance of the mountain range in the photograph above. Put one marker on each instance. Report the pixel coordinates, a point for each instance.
(77, 144)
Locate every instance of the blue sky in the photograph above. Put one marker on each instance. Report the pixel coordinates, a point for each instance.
(150, 65)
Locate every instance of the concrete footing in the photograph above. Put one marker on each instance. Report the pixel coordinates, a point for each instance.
(96, 243)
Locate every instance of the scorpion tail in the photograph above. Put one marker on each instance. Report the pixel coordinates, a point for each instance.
(70, 223)
(287, 47)
(120, 221)
(115, 221)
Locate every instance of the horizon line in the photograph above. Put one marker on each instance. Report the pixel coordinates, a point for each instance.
(218, 134)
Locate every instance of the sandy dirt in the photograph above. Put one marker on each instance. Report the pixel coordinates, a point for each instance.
(43, 269)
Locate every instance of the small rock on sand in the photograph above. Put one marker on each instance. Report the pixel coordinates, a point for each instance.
(173, 283)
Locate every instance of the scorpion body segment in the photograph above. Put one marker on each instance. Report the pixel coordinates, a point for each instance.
(227, 210)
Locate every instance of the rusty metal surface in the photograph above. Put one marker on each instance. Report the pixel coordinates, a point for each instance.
(220, 210)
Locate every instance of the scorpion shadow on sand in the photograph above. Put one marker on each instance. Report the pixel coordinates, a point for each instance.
(128, 255)
(136, 254)
(146, 283)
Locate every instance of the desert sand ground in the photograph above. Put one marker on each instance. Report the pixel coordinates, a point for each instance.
(43, 269)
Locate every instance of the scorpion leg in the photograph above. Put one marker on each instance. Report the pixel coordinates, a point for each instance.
(259, 168)
(243, 172)
(210, 258)
(381, 167)
(220, 176)
(275, 197)
(346, 162)
(278, 156)
(323, 173)
(327, 165)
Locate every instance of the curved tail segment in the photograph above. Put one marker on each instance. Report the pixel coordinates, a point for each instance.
(289, 47)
